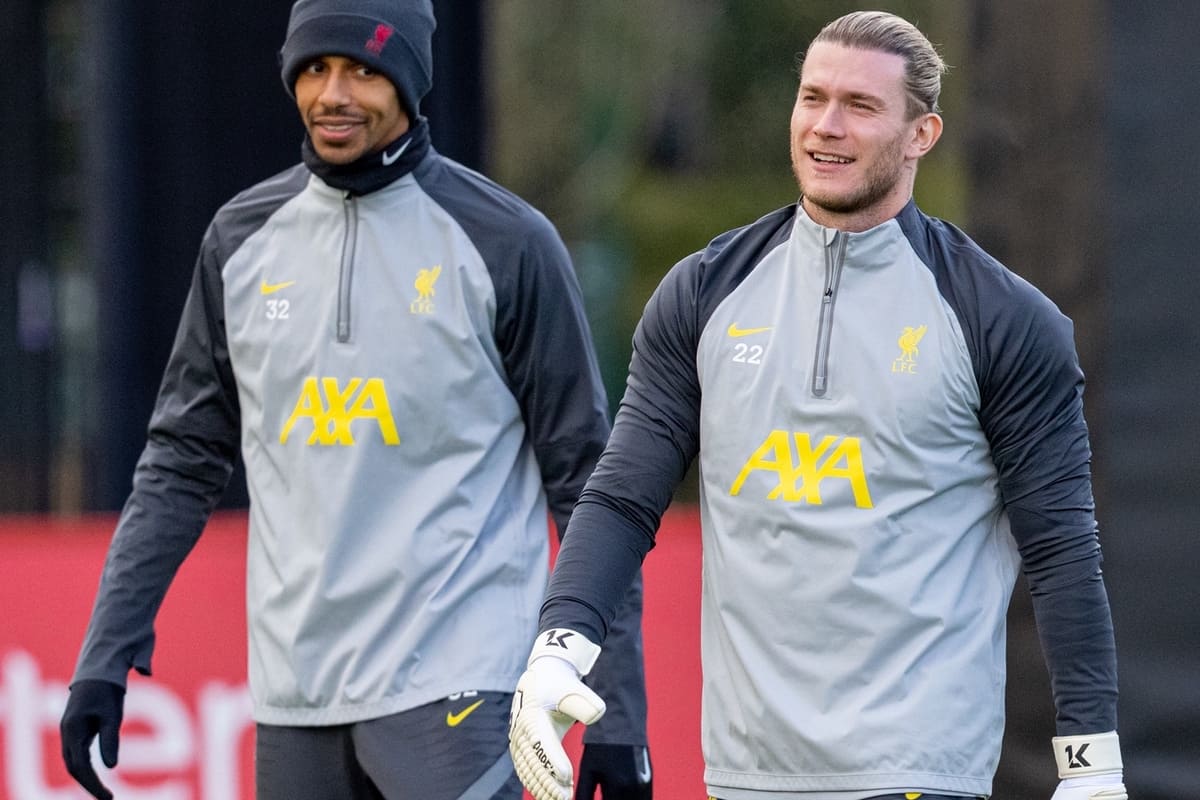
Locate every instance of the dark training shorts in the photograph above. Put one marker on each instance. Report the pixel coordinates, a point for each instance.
(454, 749)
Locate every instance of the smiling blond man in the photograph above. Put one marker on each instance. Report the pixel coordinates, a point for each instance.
(865, 503)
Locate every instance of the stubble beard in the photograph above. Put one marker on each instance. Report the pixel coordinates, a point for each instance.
(339, 152)
(878, 183)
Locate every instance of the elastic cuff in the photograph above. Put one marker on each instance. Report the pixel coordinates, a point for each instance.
(568, 645)
(1088, 754)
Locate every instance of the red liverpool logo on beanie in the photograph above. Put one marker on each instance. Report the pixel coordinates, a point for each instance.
(382, 34)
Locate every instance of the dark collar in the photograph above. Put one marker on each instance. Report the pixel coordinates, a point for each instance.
(376, 170)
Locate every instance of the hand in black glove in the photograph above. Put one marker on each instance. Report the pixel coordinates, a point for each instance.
(620, 771)
(94, 707)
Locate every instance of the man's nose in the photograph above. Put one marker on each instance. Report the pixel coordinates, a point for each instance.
(335, 91)
(829, 123)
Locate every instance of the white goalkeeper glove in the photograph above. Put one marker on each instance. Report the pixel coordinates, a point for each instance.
(550, 697)
(1089, 767)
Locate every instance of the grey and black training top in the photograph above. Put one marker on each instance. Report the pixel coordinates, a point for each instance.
(888, 424)
(409, 376)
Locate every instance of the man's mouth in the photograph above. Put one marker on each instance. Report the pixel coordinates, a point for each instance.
(336, 122)
(333, 131)
(828, 158)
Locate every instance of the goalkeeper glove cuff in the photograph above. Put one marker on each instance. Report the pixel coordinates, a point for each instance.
(1089, 754)
(574, 648)
(1090, 767)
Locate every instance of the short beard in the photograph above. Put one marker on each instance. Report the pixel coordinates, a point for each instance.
(879, 183)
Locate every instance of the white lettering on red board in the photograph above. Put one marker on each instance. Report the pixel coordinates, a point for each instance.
(162, 744)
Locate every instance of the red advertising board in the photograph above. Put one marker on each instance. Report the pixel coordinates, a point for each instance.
(187, 733)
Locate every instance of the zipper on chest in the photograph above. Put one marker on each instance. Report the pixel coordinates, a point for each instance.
(835, 257)
(346, 268)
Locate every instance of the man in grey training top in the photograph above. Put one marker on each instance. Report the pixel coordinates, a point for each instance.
(397, 347)
(888, 424)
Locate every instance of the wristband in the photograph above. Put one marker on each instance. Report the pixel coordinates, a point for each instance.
(564, 643)
(1089, 754)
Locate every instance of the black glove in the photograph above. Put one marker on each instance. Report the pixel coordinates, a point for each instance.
(620, 771)
(94, 707)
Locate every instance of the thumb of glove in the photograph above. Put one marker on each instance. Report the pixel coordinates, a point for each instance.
(582, 705)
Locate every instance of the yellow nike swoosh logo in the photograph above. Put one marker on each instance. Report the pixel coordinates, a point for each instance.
(272, 288)
(453, 720)
(735, 332)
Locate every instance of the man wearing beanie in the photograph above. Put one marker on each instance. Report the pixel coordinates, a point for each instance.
(397, 348)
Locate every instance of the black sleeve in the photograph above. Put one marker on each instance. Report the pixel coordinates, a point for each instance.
(655, 438)
(191, 447)
(1075, 628)
(551, 363)
(1032, 411)
(546, 346)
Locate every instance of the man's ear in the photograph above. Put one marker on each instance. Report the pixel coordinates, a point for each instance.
(925, 135)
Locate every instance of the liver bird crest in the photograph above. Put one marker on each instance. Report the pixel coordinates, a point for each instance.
(909, 341)
(425, 280)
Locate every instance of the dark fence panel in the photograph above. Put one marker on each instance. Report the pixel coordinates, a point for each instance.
(1148, 433)
(188, 110)
(26, 304)
(1083, 167)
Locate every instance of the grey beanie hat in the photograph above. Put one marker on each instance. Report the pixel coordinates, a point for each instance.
(394, 37)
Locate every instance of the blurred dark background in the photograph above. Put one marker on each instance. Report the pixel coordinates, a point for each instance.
(643, 131)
